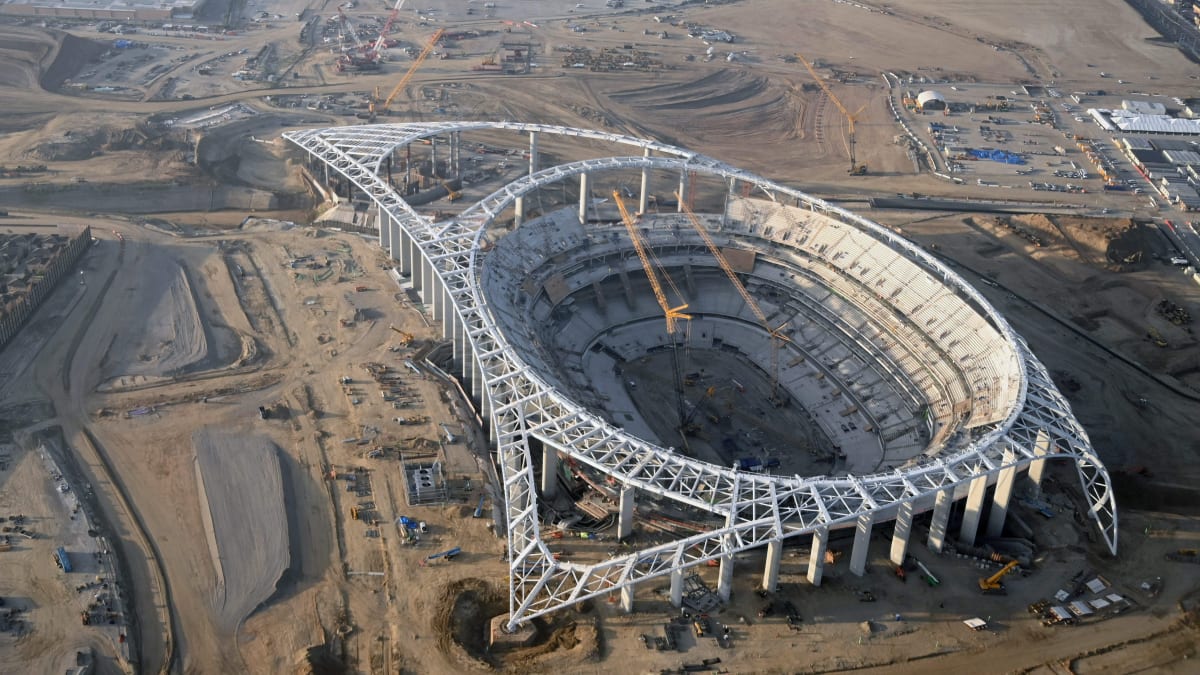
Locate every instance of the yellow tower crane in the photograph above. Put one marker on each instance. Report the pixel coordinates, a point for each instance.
(856, 169)
(777, 337)
(672, 314)
(408, 75)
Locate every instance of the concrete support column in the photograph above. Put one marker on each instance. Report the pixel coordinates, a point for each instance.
(518, 211)
(627, 599)
(771, 570)
(683, 190)
(725, 577)
(459, 340)
(394, 238)
(433, 158)
(973, 511)
(1001, 496)
(816, 559)
(862, 543)
(406, 255)
(485, 408)
(533, 152)
(677, 588)
(941, 519)
(549, 471)
(904, 520)
(1037, 468)
(625, 520)
(426, 281)
(456, 153)
(644, 195)
(381, 220)
(584, 197)
(446, 315)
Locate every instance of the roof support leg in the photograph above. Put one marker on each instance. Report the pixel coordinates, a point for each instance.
(862, 542)
(816, 559)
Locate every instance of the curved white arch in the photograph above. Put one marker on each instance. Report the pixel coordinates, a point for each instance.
(519, 403)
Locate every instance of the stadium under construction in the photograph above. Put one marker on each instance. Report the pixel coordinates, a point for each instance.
(918, 402)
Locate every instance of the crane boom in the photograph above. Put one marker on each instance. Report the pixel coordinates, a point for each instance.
(413, 69)
(855, 168)
(776, 335)
(377, 48)
(672, 314)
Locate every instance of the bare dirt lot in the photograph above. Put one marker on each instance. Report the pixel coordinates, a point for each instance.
(187, 324)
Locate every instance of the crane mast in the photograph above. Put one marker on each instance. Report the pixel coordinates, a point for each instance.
(856, 169)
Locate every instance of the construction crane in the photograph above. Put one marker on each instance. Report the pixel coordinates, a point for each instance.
(408, 75)
(856, 169)
(672, 314)
(377, 48)
(777, 337)
(991, 585)
(405, 338)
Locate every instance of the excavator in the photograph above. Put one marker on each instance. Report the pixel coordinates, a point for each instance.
(405, 338)
(992, 585)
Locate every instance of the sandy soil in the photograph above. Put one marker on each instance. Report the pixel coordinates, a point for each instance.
(242, 505)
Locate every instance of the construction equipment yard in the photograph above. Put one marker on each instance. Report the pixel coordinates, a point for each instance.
(237, 433)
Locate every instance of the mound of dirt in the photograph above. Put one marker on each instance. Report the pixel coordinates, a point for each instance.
(73, 54)
(1118, 244)
(77, 144)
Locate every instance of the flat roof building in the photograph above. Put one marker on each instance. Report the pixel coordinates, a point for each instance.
(119, 10)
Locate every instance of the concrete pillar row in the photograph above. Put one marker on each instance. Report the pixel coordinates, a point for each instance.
(771, 571)
(973, 511)
(904, 521)
(941, 519)
(683, 190)
(625, 519)
(816, 558)
(1000, 498)
(862, 544)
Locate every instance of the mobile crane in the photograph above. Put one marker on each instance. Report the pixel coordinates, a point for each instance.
(856, 169)
(412, 70)
(992, 585)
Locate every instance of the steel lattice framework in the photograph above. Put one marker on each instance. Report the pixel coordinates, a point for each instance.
(445, 258)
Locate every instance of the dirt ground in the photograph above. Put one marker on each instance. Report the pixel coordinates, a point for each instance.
(186, 322)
